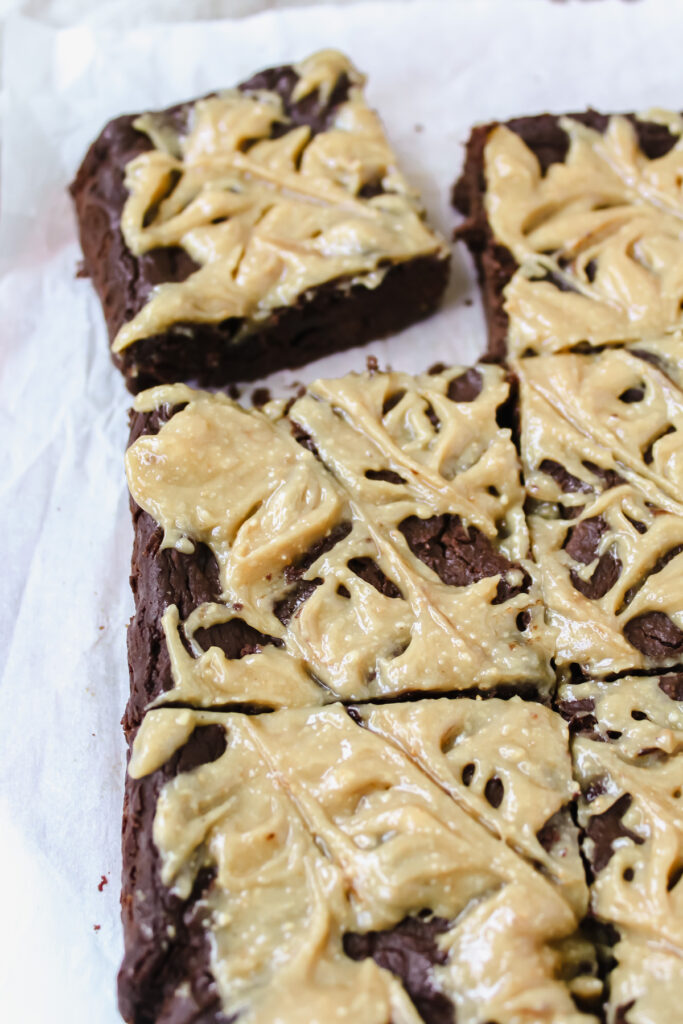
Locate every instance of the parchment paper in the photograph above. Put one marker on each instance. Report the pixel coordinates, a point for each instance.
(434, 70)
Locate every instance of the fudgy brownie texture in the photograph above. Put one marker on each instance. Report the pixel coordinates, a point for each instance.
(162, 576)
(338, 573)
(165, 942)
(165, 976)
(547, 140)
(244, 767)
(332, 316)
(627, 754)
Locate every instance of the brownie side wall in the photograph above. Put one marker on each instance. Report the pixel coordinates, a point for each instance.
(494, 263)
(165, 939)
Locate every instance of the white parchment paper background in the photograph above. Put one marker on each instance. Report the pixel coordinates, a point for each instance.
(435, 68)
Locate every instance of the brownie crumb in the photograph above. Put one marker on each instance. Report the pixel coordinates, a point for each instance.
(259, 397)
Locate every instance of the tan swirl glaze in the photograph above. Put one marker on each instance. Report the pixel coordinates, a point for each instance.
(239, 482)
(573, 416)
(268, 218)
(637, 750)
(607, 223)
(317, 827)
(617, 401)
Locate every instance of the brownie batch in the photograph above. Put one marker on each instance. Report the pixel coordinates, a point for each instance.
(406, 711)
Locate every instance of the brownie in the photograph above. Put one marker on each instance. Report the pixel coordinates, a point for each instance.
(396, 277)
(627, 756)
(399, 531)
(202, 915)
(567, 274)
(601, 446)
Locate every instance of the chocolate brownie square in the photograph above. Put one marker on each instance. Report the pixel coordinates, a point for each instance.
(252, 229)
(602, 455)
(362, 541)
(304, 863)
(627, 752)
(574, 224)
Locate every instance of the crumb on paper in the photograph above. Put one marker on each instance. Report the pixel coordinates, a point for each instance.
(372, 364)
(259, 397)
(469, 301)
(103, 878)
(419, 127)
(234, 392)
(96, 927)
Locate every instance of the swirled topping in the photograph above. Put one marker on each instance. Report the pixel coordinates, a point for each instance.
(628, 757)
(325, 836)
(266, 207)
(598, 238)
(375, 532)
(603, 459)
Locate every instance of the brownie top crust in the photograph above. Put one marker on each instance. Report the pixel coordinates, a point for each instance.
(602, 451)
(595, 238)
(373, 529)
(628, 758)
(319, 828)
(264, 201)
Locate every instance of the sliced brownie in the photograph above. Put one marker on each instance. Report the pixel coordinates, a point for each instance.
(628, 756)
(574, 224)
(254, 228)
(296, 865)
(364, 541)
(601, 449)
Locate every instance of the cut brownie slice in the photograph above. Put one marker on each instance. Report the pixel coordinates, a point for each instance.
(252, 229)
(300, 864)
(574, 223)
(364, 541)
(602, 451)
(628, 756)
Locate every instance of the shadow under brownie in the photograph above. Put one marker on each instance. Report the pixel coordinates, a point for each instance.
(253, 229)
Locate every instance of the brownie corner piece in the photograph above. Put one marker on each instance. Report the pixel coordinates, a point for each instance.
(256, 844)
(252, 229)
(552, 205)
